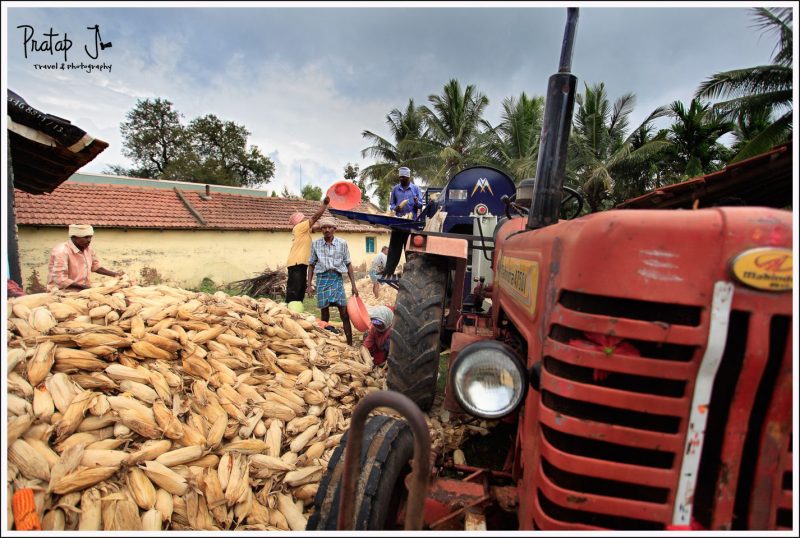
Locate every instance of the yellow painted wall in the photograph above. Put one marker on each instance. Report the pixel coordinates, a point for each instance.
(183, 257)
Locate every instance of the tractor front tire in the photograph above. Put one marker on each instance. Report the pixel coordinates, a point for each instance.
(386, 451)
(415, 340)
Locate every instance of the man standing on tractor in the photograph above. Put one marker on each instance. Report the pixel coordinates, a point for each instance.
(332, 258)
(296, 264)
(406, 198)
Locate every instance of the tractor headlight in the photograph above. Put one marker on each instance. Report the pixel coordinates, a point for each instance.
(488, 380)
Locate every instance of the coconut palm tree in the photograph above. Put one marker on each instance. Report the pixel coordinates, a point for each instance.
(404, 126)
(453, 138)
(694, 137)
(513, 145)
(600, 145)
(761, 88)
(635, 177)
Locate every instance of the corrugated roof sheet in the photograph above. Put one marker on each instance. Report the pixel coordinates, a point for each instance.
(45, 149)
(763, 180)
(122, 206)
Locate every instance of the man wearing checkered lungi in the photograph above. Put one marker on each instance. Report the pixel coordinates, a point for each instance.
(331, 258)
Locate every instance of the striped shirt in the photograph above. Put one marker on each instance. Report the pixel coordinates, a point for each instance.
(329, 256)
(70, 265)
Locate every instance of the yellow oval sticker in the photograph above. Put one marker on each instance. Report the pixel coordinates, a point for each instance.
(765, 268)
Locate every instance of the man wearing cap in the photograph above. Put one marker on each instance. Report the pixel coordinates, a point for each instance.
(297, 263)
(331, 258)
(72, 261)
(406, 198)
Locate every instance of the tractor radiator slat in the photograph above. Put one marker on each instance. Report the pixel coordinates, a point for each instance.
(611, 433)
(629, 328)
(669, 370)
(609, 470)
(611, 423)
(611, 506)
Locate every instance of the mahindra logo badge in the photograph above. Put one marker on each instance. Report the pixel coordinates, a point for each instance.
(766, 268)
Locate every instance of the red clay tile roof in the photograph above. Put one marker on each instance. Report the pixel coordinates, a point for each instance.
(123, 206)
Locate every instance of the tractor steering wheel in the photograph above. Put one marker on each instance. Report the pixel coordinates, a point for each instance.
(571, 197)
(574, 198)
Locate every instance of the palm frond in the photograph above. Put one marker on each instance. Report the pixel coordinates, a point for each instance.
(776, 133)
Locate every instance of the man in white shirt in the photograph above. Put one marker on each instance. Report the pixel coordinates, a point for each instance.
(377, 267)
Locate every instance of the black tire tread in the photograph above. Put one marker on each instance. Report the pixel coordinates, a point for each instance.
(386, 448)
(415, 341)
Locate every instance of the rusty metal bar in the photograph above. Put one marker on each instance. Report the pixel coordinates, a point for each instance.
(450, 517)
(419, 466)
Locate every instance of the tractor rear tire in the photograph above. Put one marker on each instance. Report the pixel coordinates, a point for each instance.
(416, 334)
(386, 450)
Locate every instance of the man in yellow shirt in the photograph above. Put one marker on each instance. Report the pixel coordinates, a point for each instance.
(297, 263)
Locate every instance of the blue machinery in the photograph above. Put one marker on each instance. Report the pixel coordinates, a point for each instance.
(472, 202)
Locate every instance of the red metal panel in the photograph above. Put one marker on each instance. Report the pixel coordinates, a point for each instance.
(663, 369)
(646, 256)
(545, 522)
(604, 505)
(635, 474)
(742, 403)
(658, 405)
(450, 247)
(767, 487)
(610, 433)
(640, 330)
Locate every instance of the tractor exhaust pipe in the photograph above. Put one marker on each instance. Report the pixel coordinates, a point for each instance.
(559, 104)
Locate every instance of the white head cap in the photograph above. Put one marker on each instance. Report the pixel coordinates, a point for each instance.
(80, 230)
(404, 172)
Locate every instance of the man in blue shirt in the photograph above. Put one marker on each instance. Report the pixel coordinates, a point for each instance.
(406, 198)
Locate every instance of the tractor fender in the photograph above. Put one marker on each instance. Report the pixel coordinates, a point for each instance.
(450, 247)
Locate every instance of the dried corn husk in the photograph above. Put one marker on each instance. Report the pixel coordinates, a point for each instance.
(39, 366)
(294, 516)
(29, 461)
(91, 515)
(256, 396)
(180, 456)
(152, 520)
(82, 479)
(164, 503)
(141, 488)
(165, 477)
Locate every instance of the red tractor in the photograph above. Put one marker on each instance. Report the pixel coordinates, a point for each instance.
(644, 358)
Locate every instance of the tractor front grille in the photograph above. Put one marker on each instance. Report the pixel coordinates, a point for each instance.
(612, 425)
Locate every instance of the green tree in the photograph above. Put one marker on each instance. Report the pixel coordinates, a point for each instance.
(218, 153)
(209, 150)
(311, 192)
(286, 193)
(274, 194)
(351, 174)
(453, 138)
(152, 137)
(759, 90)
(406, 128)
(513, 145)
(694, 137)
(633, 178)
(600, 145)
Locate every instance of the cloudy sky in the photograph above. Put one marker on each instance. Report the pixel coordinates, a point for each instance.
(306, 81)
